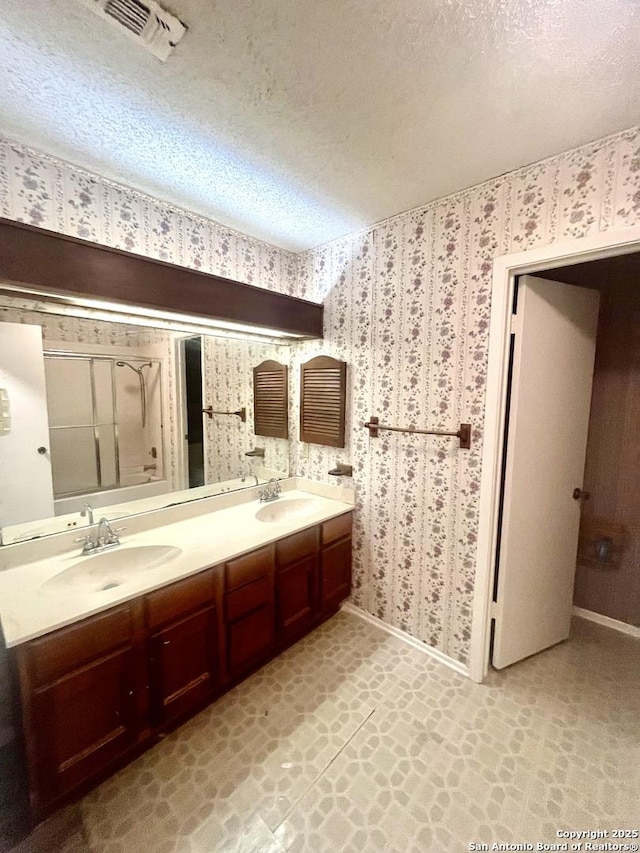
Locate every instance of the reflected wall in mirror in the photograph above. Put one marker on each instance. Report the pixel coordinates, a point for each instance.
(110, 414)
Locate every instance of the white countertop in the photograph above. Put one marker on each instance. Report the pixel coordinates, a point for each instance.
(16, 533)
(30, 608)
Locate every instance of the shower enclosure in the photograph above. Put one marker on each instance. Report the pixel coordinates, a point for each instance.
(105, 421)
(143, 385)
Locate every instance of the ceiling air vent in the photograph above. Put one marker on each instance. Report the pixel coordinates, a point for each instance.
(145, 22)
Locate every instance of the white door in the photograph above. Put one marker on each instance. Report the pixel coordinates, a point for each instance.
(554, 348)
(26, 489)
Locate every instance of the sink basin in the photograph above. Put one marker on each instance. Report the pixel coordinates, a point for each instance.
(102, 572)
(283, 509)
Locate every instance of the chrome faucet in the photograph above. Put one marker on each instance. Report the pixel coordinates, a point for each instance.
(100, 538)
(271, 491)
(243, 476)
(87, 511)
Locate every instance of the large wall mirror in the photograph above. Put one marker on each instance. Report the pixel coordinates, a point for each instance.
(110, 414)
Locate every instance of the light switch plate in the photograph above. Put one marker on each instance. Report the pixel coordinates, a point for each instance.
(5, 412)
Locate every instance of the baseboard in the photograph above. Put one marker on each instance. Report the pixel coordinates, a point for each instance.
(455, 665)
(607, 621)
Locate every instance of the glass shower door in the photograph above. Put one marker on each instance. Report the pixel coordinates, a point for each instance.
(80, 400)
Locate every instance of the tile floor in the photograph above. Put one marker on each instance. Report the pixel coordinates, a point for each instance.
(354, 741)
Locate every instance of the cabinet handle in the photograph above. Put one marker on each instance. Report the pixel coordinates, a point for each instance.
(166, 642)
(131, 693)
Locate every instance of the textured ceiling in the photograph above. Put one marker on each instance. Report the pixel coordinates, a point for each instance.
(298, 121)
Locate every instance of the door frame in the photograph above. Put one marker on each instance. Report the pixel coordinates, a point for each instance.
(505, 270)
(182, 445)
(181, 476)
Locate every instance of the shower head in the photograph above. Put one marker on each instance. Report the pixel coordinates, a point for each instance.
(138, 370)
(143, 384)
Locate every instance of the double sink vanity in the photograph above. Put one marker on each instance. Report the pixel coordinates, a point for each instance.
(112, 649)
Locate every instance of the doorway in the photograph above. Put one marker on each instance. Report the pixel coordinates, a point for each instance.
(190, 357)
(607, 578)
(506, 271)
(551, 368)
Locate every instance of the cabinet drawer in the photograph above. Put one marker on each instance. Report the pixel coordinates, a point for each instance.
(56, 654)
(336, 528)
(249, 568)
(174, 601)
(249, 597)
(298, 546)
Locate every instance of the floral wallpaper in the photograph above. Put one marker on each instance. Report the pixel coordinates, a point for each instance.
(49, 193)
(407, 305)
(46, 192)
(228, 387)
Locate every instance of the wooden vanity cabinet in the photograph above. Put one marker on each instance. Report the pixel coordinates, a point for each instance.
(249, 610)
(98, 692)
(335, 563)
(297, 567)
(183, 647)
(81, 714)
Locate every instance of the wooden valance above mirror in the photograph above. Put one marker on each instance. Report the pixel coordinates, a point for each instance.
(53, 264)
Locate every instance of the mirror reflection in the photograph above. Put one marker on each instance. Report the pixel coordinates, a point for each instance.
(108, 416)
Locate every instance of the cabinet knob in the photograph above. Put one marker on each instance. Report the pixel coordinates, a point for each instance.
(166, 643)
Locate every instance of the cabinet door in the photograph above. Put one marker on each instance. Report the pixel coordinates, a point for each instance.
(250, 639)
(295, 597)
(249, 610)
(183, 666)
(83, 722)
(335, 575)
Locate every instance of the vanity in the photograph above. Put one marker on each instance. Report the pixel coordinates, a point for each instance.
(155, 392)
(113, 650)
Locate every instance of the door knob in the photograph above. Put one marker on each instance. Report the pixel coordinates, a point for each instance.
(580, 495)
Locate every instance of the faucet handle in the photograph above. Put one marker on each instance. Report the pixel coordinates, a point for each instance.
(88, 545)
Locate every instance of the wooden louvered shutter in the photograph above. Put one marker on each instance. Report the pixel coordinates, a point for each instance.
(271, 399)
(322, 401)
